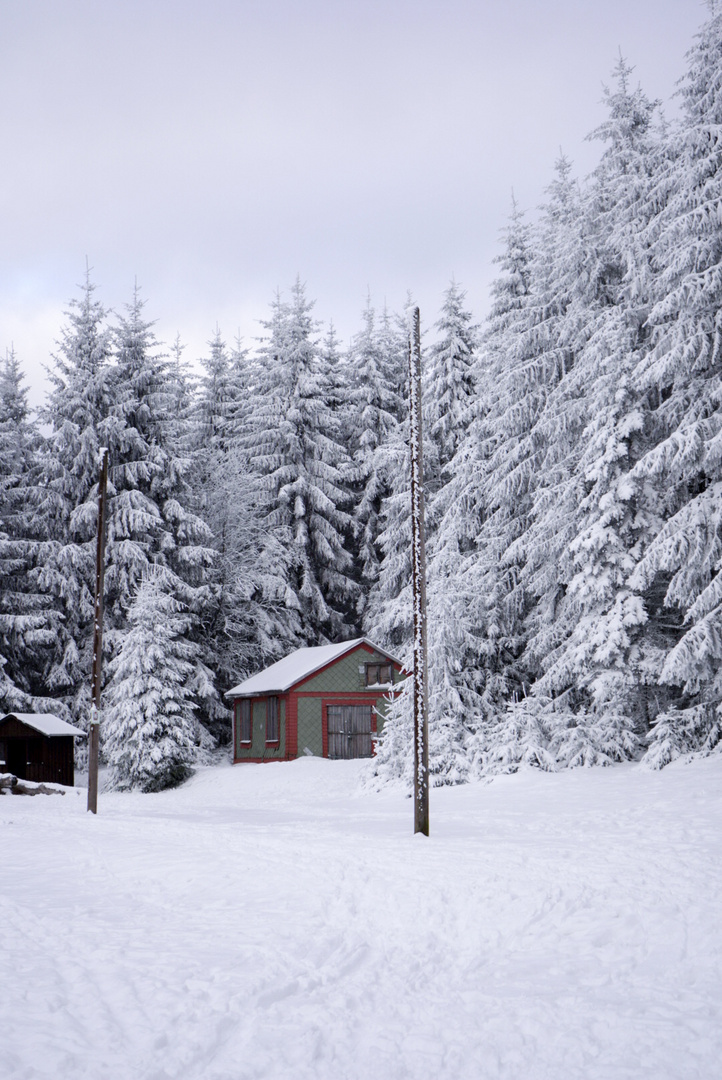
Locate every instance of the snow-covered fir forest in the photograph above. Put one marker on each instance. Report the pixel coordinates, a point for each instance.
(259, 501)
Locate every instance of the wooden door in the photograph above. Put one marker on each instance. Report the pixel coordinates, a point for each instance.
(349, 731)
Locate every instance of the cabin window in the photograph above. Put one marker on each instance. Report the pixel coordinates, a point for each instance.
(378, 674)
(245, 729)
(272, 720)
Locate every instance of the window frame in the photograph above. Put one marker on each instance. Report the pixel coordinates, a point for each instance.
(378, 667)
(273, 710)
(245, 704)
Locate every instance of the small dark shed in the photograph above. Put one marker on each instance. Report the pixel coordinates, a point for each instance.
(38, 747)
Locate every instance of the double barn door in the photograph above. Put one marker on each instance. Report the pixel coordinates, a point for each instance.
(349, 731)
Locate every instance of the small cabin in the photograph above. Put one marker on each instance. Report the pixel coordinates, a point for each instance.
(38, 747)
(327, 701)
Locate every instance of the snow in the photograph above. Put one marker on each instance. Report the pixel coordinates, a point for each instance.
(46, 723)
(299, 665)
(271, 921)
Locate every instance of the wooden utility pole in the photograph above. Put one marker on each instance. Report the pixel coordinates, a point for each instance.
(94, 744)
(418, 554)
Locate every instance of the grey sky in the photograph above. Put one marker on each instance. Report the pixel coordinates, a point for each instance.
(214, 149)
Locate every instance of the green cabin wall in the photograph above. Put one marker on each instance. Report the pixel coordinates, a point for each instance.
(344, 676)
(310, 726)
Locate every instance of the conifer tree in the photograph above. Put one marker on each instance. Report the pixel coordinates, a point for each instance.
(487, 502)
(598, 664)
(376, 403)
(78, 413)
(220, 395)
(113, 389)
(148, 732)
(151, 518)
(453, 701)
(449, 388)
(681, 372)
(28, 622)
(293, 446)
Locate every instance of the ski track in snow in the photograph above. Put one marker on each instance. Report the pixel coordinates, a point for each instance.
(271, 922)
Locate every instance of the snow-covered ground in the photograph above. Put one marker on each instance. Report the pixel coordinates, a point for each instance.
(268, 921)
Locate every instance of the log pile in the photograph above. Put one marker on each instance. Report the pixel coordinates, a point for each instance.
(11, 785)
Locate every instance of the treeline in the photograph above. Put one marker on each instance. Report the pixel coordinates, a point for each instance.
(575, 612)
(573, 446)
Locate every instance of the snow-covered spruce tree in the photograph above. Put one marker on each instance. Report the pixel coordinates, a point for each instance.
(387, 616)
(375, 404)
(151, 518)
(148, 729)
(454, 705)
(453, 702)
(337, 373)
(519, 737)
(449, 389)
(221, 395)
(293, 445)
(532, 478)
(181, 433)
(683, 375)
(449, 407)
(28, 620)
(597, 672)
(78, 414)
(486, 507)
(129, 407)
(388, 612)
(248, 623)
(254, 619)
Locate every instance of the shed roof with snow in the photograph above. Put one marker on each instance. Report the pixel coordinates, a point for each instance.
(326, 701)
(46, 723)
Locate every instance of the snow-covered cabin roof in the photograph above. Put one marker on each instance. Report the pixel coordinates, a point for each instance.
(45, 723)
(298, 665)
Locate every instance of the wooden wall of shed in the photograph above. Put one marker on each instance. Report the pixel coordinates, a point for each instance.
(15, 729)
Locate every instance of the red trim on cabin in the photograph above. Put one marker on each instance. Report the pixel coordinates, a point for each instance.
(362, 695)
(255, 760)
(324, 729)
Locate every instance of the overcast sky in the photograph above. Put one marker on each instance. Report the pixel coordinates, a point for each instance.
(216, 148)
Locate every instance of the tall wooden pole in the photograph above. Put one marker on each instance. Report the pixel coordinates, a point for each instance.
(94, 745)
(418, 553)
